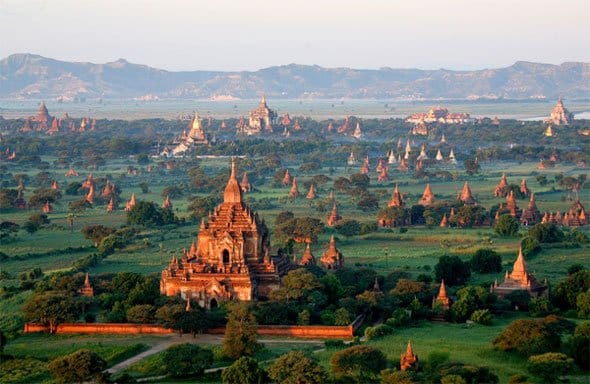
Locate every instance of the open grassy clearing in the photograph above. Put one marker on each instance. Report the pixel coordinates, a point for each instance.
(467, 343)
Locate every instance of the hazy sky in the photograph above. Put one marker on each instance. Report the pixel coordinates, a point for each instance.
(253, 34)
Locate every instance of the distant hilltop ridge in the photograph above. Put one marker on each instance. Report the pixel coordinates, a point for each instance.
(28, 76)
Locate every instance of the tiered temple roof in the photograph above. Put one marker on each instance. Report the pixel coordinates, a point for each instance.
(294, 192)
(442, 297)
(261, 118)
(167, 204)
(332, 258)
(408, 359)
(245, 184)
(307, 258)
(311, 193)
(531, 215)
(502, 188)
(444, 222)
(86, 289)
(466, 197)
(513, 210)
(524, 189)
(519, 279)
(427, 197)
(560, 115)
(334, 216)
(230, 258)
(131, 203)
(396, 198)
(287, 178)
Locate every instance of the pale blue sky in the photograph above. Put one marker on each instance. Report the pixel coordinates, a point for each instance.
(254, 34)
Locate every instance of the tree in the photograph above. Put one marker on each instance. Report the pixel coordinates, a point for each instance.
(567, 290)
(348, 228)
(392, 216)
(368, 202)
(486, 261)
(96, 233)
(528, 337)
(50, 308)
(546, 233)
(43, 196)
(507, 226)
(283, 217)
(240, 337)
(583, 304)
(360, 364)
(550, 366)
(245, 370)
(296, 368)
(471, 166)
(173, 191)
(201, 206)
(360, 180)
(148, 214)
(469, 215)
(141, 313)
(296, 285)
(186, 360)
(193, 321)
(580, 346)
(452, 269)
(304, 229)
(390, 376)
(168, 314)
(80, 366)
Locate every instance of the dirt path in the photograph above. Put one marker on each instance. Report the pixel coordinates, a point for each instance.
(199, 339)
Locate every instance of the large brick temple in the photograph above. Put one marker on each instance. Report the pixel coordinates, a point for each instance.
(230, 258)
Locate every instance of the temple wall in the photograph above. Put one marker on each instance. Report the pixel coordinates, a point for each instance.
(300, 331)
(100, 328)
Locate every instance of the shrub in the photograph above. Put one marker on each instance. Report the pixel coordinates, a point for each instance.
(186, 360)
(549, 366)
(399, 318)
(528, 337)
(245, 370)
(360, 363)
(518, 379)
(540, 306)
(482, 316)
(378, 331)
(435, 359)
(82, 365)
(296, 368)
(580, 345)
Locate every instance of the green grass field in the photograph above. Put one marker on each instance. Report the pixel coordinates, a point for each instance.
(467, 343)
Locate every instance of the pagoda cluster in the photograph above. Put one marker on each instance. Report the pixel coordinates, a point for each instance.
(51, 125)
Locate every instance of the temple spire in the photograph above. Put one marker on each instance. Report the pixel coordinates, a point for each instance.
(519, 268)
(409, 350)
(233, 192)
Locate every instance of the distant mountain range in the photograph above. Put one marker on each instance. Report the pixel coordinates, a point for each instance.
(27, 76)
